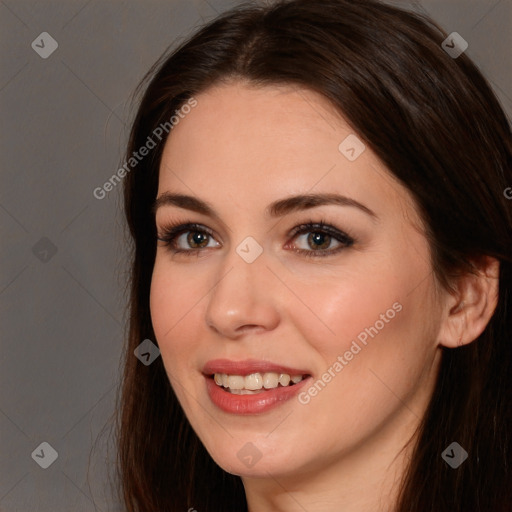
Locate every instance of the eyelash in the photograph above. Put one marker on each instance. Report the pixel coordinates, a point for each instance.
(171, 231)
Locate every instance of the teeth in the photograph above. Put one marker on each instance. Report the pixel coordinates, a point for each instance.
(243, 392)
(236, 382)
(254, 382)
(284, 379)
(270, 380)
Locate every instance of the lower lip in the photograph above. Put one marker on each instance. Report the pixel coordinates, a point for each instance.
(252, 403)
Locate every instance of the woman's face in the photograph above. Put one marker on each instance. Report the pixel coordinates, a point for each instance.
(355, 314)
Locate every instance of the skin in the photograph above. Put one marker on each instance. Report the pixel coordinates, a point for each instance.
(240, 149)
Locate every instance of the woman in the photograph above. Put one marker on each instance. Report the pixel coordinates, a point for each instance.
(322, 254)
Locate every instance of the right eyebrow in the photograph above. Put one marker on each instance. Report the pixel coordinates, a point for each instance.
(278, 208)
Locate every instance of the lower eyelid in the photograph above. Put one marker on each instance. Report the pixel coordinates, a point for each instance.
(343, 241)
(172, 241)
(171, 232)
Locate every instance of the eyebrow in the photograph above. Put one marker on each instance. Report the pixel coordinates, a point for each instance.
(276, 209)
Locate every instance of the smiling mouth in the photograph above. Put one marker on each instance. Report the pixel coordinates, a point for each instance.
(255, 383)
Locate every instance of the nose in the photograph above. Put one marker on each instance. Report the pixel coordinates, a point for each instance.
(245, 298)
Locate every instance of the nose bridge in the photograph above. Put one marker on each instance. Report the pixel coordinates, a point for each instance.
(242, 293)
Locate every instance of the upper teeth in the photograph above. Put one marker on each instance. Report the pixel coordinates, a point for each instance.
(256, 381)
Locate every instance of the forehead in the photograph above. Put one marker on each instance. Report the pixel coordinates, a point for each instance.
(244, 122)
(254, 145)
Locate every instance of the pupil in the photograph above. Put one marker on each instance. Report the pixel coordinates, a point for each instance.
(197, 238)
(318, 237)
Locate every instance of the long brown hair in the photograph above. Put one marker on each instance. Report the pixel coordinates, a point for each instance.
(436, 124)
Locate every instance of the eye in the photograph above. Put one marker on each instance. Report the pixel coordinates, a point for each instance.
(196, 237)
(320, 237)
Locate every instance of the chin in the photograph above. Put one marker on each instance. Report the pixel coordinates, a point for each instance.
(244, 458)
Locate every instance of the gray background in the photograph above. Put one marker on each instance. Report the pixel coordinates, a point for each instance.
(64, 125)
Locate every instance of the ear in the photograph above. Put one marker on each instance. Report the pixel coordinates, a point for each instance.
(467, 312)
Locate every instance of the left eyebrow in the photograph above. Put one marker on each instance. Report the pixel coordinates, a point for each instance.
(278, 208)
(307, 201)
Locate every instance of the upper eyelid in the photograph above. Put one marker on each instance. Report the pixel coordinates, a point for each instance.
(190, 225)
(300, 229)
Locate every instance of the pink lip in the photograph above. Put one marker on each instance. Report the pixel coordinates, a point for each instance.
(247, 367)
(250, 404)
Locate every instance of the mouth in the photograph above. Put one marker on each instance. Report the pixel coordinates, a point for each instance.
(251, 387)
(255, 383)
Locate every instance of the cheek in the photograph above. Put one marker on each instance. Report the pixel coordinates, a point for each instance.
(172, 300)
(355, 307)
(374, 334)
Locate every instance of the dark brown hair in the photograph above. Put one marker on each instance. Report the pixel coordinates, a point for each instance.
(434, 121)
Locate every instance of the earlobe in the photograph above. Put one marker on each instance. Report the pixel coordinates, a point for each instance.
(469, 310)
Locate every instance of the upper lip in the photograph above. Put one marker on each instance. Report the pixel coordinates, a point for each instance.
(247, 367)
